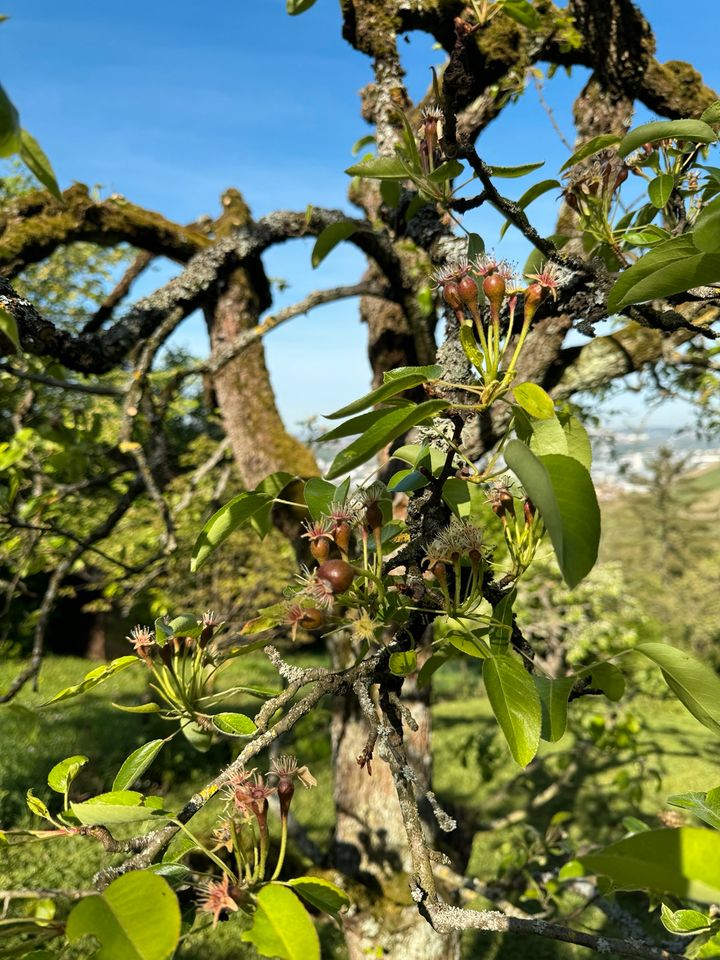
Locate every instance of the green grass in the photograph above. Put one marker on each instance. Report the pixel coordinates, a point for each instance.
(474, 776)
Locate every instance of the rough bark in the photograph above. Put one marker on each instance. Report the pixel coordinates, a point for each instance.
(258, 438)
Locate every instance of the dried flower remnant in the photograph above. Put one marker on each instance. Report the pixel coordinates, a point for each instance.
(209, 622)
(297, 616)
(500, 499)
(548, 278)
(320, 535)
(250, 796)
(223, 836)
(142, 639)
(316, 589)
(216, 898)
(286, 770)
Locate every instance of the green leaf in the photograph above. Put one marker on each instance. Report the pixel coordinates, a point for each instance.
(140, 708)
(466, 500)
(356, 425)
(683, 921)
(234, 724)
(443, 653)
(392, 425)
(559, 434)
(532, 193)
(63, 773)
(395, 381)
(593, 146)
(36, 806)
(120, 806)
(366, 141)
(319, 496)
(476, 246)
(607, 677)
(197, 737)
(390, 191)
(570, 870)
(273, 486)
(295, 7)
(523, 13)
(379, 168)
(403, 663)
(633, 825)
(554, 702)
(694, 130)
(281, 926)
(470, 346)
(502, 619)
(35, 160)
(684, 862)
(711, 114)
(695, 684)
(136, 764)
(706, 232)
(472, 643)
(421, 456)
(330, 237)
(406, 481)
(534, 400)
(136, 918)
(705, 806)
(9, 126)
(446, 171)
(185, 625)
(577, 439)
(671, 267)
(561, 489)
(660, 188)
(320, 893)
(236, 513)
(516, 705)
(511, 173)
(650, 236)
(93, 678)
(8, 326)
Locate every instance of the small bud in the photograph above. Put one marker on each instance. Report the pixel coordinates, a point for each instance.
(312, 619)
(341, 534)
(320, 549)
(439, 571)
(373, 516)
(494, 289)
(533, 297)
(285, 789)
(468, 292)
(529, 511)
(451, 295)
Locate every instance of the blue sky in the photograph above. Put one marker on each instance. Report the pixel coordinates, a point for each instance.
(171, 103)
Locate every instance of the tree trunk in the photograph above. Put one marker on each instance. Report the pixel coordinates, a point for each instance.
(259, 440)
(370, 840)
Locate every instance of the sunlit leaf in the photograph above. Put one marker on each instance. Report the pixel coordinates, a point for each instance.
(694, 130)
(281, 926)
(683, 861)
(695, 684)
(136, 764)
(395, 381)
(516, 705)
(330, 237)
(136, 918)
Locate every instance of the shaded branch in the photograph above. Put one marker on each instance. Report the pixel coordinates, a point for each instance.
(101, 351)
